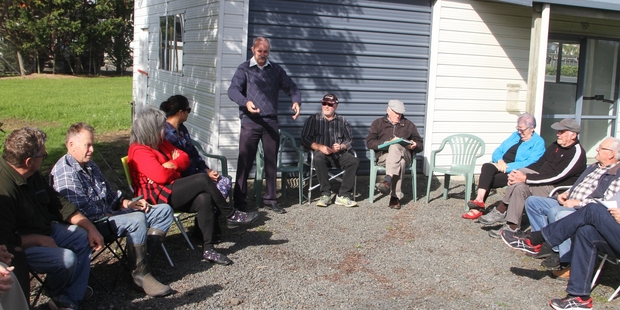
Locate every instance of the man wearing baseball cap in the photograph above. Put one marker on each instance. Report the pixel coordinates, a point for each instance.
(397, 157)
(563, 162)
(330, 138)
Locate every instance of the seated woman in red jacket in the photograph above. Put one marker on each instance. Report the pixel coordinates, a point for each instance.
(156, 167)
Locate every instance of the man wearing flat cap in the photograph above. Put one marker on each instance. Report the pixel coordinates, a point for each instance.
(397, 157)
(563, 162)
(330, 138)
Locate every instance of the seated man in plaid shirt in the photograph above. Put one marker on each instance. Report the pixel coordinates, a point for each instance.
(79, 180)
(601, 180)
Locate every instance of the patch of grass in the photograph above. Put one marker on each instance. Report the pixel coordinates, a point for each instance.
(52, 103)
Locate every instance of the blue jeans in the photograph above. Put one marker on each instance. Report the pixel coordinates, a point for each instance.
(542, 210)
(592, 229)
(134, 225)
(67, 266)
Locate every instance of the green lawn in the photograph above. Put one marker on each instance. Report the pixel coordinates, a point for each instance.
(52, 103)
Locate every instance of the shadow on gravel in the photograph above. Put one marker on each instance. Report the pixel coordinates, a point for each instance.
(532, 274)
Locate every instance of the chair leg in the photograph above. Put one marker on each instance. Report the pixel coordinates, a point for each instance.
(371, 187)
(428, 185)
(446, 185)
(414, 180)
(182, 229)
(163, 247)
(301, 188)
(284, 181)
(614, 294)
(598, 271)
(468, 185)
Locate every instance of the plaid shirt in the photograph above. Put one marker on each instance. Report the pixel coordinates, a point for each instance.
(86, 188)
(584, 189)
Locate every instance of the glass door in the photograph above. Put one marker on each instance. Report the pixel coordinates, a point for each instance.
(581, 82)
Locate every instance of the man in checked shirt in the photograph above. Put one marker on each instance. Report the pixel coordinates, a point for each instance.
(601, 180)
(79, 180)
(330, 138)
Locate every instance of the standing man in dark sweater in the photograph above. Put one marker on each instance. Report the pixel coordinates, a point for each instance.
(562, 164)
(255, 88)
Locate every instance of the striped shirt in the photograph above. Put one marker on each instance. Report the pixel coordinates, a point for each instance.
(317, 129)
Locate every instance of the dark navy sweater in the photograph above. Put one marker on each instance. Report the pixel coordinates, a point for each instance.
(262, 88)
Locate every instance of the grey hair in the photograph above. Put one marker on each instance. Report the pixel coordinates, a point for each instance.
(261, 39)
(528, 119)
(614, 144)
(148, 128)
(75, 130)
(22, 144)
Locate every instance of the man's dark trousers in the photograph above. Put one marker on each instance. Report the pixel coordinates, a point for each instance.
(251, 133)
(592, 229)
(346, 162)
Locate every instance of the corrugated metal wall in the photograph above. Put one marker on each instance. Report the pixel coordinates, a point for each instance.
(365, 52)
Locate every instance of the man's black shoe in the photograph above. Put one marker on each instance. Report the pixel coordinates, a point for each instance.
(545, 251)
(552, 262)
(274, 207)
(384, 187)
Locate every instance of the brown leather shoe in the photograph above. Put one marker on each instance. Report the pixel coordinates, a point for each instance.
(562, 274)
(384, 187)
(394, 203)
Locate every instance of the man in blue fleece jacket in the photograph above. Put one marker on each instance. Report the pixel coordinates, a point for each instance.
(255, 88)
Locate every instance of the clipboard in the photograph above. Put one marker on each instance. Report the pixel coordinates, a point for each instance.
(404, 142)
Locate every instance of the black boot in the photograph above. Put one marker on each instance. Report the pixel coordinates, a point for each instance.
(141, 273)
(154, 239)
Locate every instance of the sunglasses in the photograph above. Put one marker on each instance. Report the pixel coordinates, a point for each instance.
(188, 110)
(327, 104)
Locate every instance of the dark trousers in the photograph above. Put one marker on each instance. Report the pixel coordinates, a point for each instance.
(197, 193)
(490, 177)
(21, 269)
(250, 135)
(592, 229)
(346, 162)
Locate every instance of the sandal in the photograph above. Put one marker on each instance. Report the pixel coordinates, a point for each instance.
(471, 215)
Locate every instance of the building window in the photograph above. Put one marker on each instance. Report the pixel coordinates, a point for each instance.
(171, 30)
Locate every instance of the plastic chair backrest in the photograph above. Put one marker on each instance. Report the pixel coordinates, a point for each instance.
(127, 171)
(465, 149)
(286, 138)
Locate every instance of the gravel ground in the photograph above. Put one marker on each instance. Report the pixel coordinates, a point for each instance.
(423, 256)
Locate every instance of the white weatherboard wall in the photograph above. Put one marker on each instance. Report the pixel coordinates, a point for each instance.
(205, 55)
(481, 67)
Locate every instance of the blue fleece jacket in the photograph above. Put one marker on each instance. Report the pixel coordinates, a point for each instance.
(527, 153)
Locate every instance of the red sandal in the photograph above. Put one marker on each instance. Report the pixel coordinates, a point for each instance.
(471, 216)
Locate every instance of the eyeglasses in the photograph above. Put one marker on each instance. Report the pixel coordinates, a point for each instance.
(44, 156)
(522, 130)
(188, 110)
(327, 104)
(604, 148)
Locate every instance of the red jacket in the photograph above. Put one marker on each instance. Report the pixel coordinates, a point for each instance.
(148, 177)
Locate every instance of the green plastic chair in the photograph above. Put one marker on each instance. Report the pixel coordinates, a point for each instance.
(464, 150)
(374, 169)
(287, 144)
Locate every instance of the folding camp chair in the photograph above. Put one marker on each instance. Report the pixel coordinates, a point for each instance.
(178, 216)
(333, 173)
(606, 258)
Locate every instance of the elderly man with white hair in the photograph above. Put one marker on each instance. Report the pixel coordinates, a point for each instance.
(397, 157)
(601, 180)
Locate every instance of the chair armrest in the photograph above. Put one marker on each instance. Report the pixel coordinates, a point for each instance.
(562, 188)
(223, 160)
